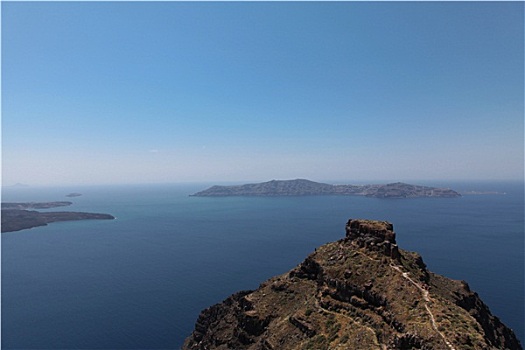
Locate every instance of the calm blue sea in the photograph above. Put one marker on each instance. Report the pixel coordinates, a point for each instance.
(139, 282)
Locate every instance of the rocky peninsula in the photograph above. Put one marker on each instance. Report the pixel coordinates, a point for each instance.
(361, 292)
(16, 217)
(302, 187)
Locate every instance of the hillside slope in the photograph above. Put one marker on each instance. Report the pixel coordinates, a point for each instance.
(361, 292)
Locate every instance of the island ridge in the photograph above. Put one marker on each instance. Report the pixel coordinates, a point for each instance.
(302, 187)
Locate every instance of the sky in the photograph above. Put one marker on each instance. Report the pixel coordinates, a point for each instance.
(165, 92)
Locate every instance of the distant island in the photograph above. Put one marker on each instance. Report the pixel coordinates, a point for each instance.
(16, 217)
(35, 205)
(483, 193)
(302, 187)
(73, 194)
(18, 185)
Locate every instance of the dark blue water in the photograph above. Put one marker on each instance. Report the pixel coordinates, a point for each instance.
(139, 282)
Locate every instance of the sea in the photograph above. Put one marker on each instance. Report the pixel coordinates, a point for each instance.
(140, 281)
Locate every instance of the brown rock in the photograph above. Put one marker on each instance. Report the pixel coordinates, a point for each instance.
(378, 296)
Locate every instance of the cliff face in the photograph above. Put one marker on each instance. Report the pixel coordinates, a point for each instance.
(361, 292)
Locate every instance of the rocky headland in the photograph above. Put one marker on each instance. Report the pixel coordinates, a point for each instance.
(302, 187)
(361, 292)
(16, 217)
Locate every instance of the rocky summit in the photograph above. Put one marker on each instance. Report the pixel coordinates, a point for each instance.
(361, 292)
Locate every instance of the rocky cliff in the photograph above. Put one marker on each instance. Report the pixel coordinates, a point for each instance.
(361, 292)
(302, 187)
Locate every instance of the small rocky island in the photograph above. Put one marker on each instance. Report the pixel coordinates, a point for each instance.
(302, 187)
(16, 217)
(361, 292)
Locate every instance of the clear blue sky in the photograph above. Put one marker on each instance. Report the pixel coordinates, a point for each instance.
(135, 92)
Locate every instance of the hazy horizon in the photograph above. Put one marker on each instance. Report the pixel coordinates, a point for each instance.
(192, 92)
(465, 184)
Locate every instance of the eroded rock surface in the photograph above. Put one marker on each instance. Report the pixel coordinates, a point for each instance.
(361, 292)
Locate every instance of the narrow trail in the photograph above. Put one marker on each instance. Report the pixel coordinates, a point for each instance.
(426, 297)
(425, 294)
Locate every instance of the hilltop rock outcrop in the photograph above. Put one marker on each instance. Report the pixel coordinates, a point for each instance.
(361, 292)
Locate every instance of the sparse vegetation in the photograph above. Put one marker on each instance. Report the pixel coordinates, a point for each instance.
(308, 312)
(317, 343)
(359, 301)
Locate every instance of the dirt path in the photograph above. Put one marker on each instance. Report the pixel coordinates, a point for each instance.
(425, 294)
(426, 297)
